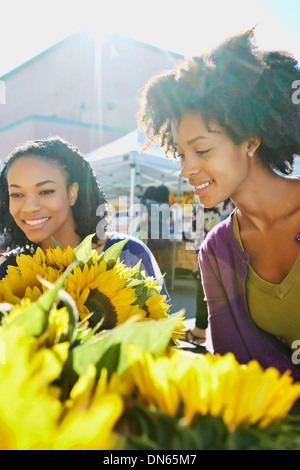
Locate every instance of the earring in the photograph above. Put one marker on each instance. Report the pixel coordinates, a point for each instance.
(250, 153)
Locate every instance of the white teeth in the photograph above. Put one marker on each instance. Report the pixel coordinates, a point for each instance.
(201, 186)
(36, 222)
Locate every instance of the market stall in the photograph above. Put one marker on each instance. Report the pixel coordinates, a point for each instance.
(124, 173)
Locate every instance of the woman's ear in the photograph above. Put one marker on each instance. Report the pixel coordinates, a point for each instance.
(73, 193)
(253, 144)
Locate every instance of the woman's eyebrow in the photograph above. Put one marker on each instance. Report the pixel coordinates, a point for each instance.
(45, 182)
(191, 141)
(199, 137)
(41, 183)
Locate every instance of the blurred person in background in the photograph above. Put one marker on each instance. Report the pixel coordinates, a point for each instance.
(146, 201)
(159, 241)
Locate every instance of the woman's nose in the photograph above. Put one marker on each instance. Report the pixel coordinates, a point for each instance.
(189, 167)
(31, 204)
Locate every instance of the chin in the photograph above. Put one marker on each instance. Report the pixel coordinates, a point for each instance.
(35, 238)
(208, 204)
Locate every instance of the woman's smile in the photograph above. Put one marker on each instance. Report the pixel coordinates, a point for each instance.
(201, 188)
(36, 223)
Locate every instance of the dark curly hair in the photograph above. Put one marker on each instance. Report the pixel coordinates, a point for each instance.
(71, 160)
(246, 91)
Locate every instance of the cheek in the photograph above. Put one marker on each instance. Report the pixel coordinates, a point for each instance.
(13, 206)
(58, 203)
(233, 160)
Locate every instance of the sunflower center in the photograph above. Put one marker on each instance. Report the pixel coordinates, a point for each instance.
(102, 309)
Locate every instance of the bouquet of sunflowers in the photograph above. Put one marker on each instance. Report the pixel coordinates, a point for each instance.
(89, 359)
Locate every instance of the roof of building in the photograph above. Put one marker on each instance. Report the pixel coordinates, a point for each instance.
(74, 36)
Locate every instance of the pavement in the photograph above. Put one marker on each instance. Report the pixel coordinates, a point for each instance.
(183, 295)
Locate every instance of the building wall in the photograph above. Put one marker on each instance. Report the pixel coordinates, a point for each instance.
(85, 91)
(129, 65)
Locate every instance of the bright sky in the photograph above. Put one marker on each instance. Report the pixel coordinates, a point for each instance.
(185, 26)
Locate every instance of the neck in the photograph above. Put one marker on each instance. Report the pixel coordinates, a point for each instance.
(265, 198)
(72, 241)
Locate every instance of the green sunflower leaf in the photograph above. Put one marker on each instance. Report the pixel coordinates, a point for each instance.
(143, 294)
(112, 253)
(135, 282)
(83, 253)
(152, 335)
(139, 276)
(109, 350)
(55, 244)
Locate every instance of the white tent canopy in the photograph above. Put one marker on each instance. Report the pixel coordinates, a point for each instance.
(122, 170)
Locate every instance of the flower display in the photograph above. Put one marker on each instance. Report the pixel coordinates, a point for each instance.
(72, 385)
(105, 291)
(220, 386)
(39, 419)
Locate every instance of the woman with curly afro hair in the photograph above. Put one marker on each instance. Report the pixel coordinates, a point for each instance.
(230, 117)
(48, 190)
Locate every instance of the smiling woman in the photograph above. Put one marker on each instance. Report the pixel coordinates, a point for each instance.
(49, 191)
(230, 118)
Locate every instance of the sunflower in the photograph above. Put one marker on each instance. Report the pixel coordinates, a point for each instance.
(106, 292)
(57, 324)
(23, 280)
(32, 414)
(103, 293)
(156, 308)
(24, 381)
(216, 385)
(89, 415)
(59, 258)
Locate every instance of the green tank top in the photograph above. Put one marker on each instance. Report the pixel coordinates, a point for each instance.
(274, 308)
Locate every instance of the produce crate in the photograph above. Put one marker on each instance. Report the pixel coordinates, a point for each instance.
(186, 258)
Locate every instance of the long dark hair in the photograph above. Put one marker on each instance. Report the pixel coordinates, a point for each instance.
(71, 160)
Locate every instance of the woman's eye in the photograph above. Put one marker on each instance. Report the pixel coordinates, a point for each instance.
(15, 195)
(202, 152)
(47, 191)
